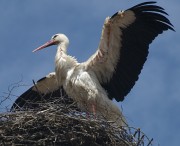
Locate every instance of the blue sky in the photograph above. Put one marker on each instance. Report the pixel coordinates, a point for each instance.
(153, 104)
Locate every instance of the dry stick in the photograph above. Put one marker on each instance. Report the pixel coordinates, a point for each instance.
(37, 89)
(140, 140)
(150, 142)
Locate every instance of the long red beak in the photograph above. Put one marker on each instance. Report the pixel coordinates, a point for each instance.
(49, 43)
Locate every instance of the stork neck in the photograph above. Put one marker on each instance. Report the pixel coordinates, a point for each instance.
(62, 48)
(63, 62)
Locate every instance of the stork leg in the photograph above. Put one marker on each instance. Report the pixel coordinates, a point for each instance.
(94, 110)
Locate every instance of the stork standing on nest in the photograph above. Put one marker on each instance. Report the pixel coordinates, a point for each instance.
(114, 68)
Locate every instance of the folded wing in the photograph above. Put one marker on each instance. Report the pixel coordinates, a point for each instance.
(44, 91)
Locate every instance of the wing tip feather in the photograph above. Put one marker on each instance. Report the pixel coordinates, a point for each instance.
(143, 9)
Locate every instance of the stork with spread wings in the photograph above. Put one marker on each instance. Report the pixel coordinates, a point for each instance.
(114, 68)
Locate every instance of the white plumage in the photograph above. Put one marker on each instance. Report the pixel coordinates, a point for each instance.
(114, 68)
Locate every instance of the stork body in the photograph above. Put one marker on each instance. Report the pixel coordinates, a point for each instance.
(114, 68)
(82, 84)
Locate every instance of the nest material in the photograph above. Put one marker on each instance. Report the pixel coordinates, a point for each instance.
(61, 123)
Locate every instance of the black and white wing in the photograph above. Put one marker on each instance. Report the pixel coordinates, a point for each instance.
(123, 47)
(45, 90)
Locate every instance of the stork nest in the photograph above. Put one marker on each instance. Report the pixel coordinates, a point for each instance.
(61, 123)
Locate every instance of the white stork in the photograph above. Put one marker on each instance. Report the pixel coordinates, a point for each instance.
(112, 71)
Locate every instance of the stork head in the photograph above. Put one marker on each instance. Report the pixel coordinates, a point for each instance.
(57, 39)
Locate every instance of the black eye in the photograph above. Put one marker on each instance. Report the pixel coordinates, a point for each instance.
(54, 36)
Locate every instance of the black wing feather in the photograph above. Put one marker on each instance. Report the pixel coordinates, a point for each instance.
(135, 44)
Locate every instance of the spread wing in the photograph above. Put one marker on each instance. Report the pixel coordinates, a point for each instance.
(124, 45)
(45, 90)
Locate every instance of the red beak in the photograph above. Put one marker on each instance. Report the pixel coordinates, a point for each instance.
(49, 43)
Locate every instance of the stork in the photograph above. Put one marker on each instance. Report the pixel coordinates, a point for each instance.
(112, 71)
